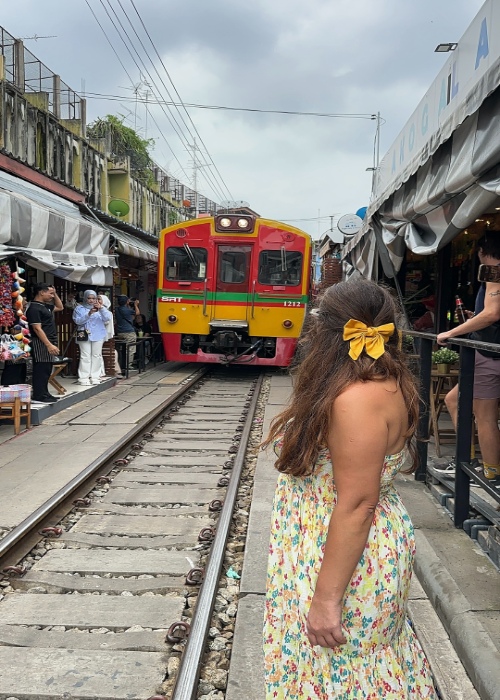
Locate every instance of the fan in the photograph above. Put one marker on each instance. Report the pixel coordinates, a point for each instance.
(118, 207)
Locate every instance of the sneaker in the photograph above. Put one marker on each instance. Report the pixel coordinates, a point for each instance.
(491, 472)
(84, 382)
(447, 468)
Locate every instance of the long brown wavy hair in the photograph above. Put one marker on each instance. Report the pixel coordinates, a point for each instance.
(325, 370)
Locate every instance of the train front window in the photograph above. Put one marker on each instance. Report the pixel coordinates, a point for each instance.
(186, 264)
(280, 267)
(232, 265)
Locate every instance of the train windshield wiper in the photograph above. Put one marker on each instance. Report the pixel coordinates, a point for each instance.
(283, 259)
(190, 255)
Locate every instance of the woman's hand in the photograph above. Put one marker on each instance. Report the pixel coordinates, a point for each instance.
(324, 623)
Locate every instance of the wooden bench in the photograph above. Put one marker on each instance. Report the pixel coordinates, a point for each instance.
(15, 410)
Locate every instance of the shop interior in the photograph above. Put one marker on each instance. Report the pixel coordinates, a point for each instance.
(442, 277)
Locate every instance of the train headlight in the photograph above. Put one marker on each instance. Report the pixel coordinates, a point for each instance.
(225, 222)
(172, 318)
(287, 323)
(243, 223)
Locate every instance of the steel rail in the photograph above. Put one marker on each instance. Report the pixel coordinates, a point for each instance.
(28, 524)
(189, 671)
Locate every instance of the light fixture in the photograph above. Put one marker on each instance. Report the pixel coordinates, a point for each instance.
(497, 208)
(225, 222)
(287, 323)
(243, 223)
(444, 48)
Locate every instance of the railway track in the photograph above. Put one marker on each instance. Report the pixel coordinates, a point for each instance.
(117, 600)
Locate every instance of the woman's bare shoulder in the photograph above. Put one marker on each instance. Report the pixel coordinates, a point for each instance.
(367, 392)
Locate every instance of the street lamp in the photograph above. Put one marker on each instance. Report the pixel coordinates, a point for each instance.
(444, 48)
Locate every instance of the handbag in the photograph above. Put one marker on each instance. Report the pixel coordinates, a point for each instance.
(81, 335)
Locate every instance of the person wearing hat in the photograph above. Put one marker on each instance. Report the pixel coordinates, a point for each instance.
(126, 313)
(426, 322)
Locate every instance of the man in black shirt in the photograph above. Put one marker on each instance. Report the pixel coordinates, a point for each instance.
(40, 315)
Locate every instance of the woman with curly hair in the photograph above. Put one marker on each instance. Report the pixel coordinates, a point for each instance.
(342, 543)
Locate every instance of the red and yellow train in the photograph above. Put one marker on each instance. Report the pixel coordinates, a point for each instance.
(233, 289)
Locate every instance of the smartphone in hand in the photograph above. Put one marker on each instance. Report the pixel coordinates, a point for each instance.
(489, 273)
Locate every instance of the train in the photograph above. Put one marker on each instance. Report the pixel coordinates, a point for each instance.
(232, 289)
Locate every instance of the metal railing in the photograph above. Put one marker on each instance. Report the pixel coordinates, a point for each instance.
(465, 472)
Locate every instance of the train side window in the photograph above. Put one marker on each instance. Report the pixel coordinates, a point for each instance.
(186, 264)
(280, 267)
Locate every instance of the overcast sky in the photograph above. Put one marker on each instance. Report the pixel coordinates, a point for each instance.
(328, 56)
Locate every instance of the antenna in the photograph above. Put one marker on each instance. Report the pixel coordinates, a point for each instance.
(35, 37)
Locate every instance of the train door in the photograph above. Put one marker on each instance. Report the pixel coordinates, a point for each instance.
(233, 264)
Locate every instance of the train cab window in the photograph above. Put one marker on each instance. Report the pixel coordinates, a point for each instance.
(280, 267)
(232, 266)
(186, 264)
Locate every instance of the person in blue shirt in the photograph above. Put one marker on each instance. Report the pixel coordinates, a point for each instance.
(126, 313)
(91, 318)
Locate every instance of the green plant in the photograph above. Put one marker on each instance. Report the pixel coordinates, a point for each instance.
(124, 141)
(445, 356)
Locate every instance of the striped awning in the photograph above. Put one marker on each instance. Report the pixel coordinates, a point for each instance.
(458, 182)
(135, 247)
(49, 233)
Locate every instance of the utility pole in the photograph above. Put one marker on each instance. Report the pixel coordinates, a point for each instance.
(196, 165)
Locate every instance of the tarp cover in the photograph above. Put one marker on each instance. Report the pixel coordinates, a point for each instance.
(135, 247)
(456, 184)
(50, 234)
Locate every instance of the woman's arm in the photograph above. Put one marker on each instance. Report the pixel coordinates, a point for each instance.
(81, 315)
(358, 444)
(105, 314)
(490, 314)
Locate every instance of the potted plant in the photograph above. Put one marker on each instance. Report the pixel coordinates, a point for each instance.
(443, 358)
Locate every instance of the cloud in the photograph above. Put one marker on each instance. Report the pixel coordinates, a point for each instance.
(346, 56)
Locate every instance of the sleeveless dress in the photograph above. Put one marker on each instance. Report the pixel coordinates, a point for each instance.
(382, 658)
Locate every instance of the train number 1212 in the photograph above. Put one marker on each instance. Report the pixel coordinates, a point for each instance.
(292, 303)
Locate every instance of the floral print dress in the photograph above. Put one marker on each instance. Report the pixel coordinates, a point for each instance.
(382, 657)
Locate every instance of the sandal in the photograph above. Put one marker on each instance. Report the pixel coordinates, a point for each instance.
(448, 468)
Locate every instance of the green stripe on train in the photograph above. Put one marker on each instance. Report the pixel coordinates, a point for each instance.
(228, 296)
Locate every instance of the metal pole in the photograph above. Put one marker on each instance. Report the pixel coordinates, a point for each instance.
(464, 423)
(423, 418)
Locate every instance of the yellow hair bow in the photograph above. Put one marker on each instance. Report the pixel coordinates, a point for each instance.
(369, 338)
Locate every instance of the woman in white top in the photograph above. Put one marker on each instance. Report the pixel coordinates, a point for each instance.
(110, 333)
(91, 318)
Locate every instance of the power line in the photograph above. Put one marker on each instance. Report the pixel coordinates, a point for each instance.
(139, 69)
(129, 76)
(213, 184)
(175, 89)
(330, 115)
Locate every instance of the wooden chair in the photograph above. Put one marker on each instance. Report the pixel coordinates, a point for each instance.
(57, 368)
(440, 386)
(15, 410)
